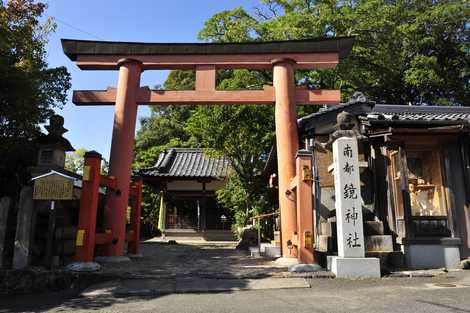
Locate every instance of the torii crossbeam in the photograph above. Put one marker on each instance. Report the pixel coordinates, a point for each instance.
(282, 57)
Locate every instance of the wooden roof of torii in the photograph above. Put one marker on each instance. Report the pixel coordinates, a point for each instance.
(206, 59)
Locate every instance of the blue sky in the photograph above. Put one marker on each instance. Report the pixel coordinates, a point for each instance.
(119, 20)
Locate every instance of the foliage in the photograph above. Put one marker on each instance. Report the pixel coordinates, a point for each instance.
(29, 90)
(74, 162)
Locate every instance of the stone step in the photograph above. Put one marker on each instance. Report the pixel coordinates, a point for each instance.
(272, 252)
(395, 259)
(379, 243)
(373, 228)
(191, 234)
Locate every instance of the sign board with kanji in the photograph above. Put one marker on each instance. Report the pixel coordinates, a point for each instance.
(53, 186)
(348, 201)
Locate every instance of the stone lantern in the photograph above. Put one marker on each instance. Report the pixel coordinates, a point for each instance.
(52, 147)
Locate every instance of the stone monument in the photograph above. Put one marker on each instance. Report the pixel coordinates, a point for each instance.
(351, 261)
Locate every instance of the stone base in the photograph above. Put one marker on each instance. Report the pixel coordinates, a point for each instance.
(427, 256)
(355, 267)
(112, 259)
(305, 268)
(282, 261)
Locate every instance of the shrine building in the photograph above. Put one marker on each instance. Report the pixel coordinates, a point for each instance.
(415, 181)
(189, 179)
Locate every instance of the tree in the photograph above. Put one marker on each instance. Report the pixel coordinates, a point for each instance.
(29, 90)
(74, 162)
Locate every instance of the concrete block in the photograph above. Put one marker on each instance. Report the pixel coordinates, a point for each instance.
(379, 243)
(254, 252)
(373, 228)
(427, 256)
(24, 229)
(272, 252)
(356, 268)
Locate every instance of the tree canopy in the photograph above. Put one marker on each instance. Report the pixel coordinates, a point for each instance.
(29, 89)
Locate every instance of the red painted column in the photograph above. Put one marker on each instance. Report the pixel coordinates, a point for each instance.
(121, 153)
(287, 145)
(133, 247)
(304, 207)
(86, 233)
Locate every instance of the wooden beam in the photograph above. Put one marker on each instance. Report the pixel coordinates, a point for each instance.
(146, 96)
(205, 77)
(304, 61)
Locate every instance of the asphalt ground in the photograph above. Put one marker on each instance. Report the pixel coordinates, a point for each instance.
(445, 293)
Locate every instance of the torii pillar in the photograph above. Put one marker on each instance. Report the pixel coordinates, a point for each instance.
(287, 141)
(120, 161)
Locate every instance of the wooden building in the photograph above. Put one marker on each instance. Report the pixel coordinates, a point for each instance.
(415, 181)
(189, 178)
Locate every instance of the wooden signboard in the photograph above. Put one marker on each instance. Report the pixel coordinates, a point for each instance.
(53, 186)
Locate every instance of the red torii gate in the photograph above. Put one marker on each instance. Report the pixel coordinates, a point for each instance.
(283, 57)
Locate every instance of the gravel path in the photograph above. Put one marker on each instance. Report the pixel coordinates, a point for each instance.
(219, 260)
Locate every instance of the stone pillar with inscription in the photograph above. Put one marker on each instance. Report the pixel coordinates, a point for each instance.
(351, 261)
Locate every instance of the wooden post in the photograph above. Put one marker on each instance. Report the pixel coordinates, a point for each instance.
(121, 153)
(134, 244)
(305, 207)
(50, 235)
(86, 234)
(203, 208)
(287, 145)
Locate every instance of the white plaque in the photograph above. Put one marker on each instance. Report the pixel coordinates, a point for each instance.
(349, 226)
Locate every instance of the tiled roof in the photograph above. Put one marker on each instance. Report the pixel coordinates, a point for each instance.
(419, 113)
(188, 163)
(323, 122)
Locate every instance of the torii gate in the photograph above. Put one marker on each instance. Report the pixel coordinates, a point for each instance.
(283, 57)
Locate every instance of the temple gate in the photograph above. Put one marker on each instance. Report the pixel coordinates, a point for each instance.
(282, 57)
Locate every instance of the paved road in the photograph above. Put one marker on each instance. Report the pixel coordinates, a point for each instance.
(430, 295)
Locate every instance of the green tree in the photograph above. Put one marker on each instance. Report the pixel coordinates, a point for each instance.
(29, 89)
(75, 160)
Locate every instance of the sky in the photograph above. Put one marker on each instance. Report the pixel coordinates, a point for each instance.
(119, 20)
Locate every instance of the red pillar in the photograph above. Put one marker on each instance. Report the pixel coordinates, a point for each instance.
(304, 207)
(287, 145)
(86, 233)
(133, 247)
(121, 153)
